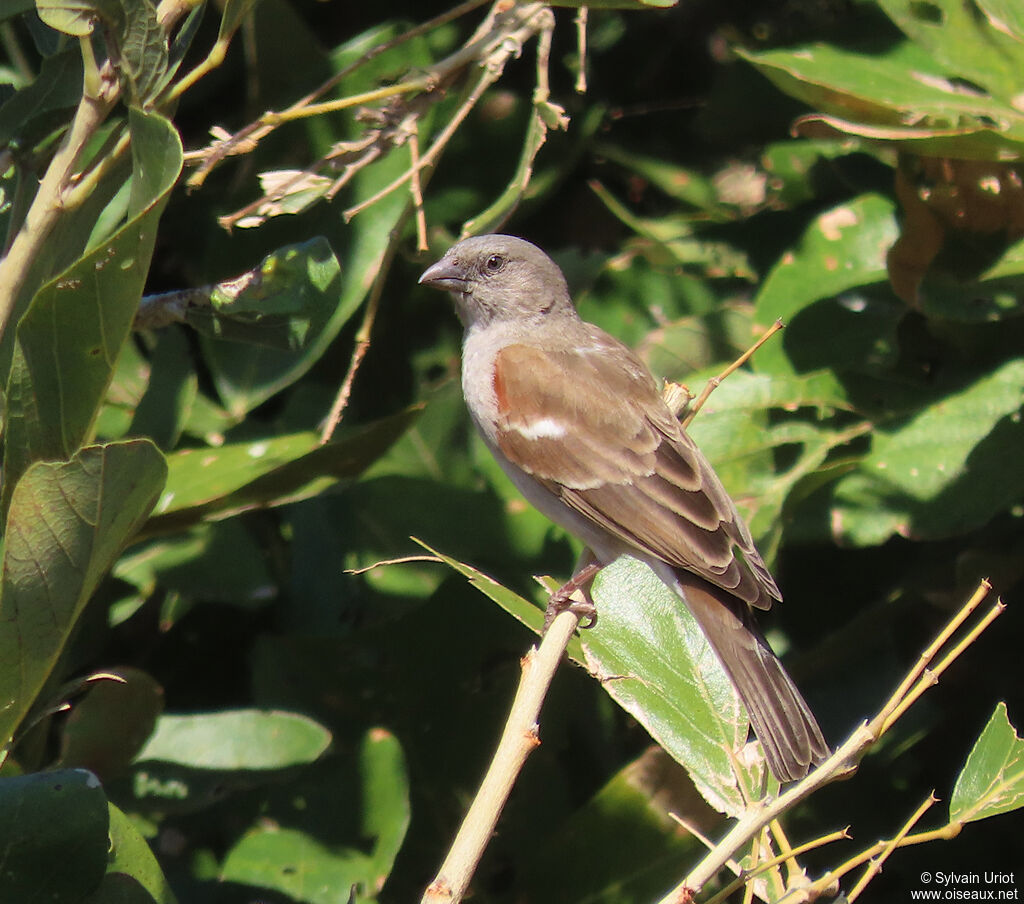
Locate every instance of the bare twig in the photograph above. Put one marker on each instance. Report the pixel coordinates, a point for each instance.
(518, 740)
(875, 864)
(401, 560)
(581, 50)
(843, 761)
(246, 139)
(363, 336)
(716, 381)
(416, 188)
(99, 95)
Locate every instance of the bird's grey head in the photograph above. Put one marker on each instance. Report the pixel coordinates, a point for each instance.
(500, 277)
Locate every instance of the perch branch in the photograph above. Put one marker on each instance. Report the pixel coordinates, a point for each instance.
(518, 740)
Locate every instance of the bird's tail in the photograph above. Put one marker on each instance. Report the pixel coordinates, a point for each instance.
(781, 718)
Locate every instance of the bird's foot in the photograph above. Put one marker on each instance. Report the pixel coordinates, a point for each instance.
(562, 599)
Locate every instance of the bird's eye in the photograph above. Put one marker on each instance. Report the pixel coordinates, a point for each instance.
(494, 263)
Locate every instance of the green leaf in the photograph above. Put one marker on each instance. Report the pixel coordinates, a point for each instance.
(385, 806)
(132, 868)
(845, 248)
(285, 303)
(162, 411)
(219, 562)
(66, 524)
(298, 865)
(213, 483)
(653, 659)
(995, 294)
(238, 739)
(901, 91)
(109, 725)
(992, 780)
(70, 337)
(634, 846)
(75, 17)
(519, 608)
(48, 820)
(946, 470)
(965, 44)
(246, 376)
(144, 51)
(743, 445)
(34, 110)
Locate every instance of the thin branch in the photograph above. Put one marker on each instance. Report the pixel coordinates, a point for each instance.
(100, 93)
(491, 34)
(716, 381)
(518, 740)
(363, 336)
(487, 78)
(875, 865)
(842, 762)
(416, 188)
(581, 50)
(926, 657)
(401, 560)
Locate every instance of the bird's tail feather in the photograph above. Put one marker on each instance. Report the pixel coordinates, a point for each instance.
(781, 718)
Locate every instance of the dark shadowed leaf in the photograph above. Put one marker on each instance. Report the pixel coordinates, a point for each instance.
(211, 483)
(66, 524)
(50, 819)
(77, 323)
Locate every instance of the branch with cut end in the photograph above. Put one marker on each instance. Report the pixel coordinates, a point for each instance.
(843, 762)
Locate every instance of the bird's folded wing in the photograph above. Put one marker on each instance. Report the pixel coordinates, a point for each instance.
(589, 423)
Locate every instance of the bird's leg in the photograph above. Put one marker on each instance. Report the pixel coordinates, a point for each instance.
(562, 599)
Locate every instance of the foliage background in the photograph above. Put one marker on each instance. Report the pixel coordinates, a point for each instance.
(684, 214)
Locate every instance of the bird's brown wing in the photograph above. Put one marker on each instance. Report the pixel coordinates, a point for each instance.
(589, 423)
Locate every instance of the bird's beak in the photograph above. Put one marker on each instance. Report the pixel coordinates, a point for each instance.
(445, 274)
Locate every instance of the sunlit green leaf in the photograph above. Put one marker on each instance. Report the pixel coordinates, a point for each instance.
(132, 865)
(843, 250)
(992, 780)
(651, 656)
(236, 739)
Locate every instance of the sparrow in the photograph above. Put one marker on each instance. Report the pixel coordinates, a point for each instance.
(578, 423)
